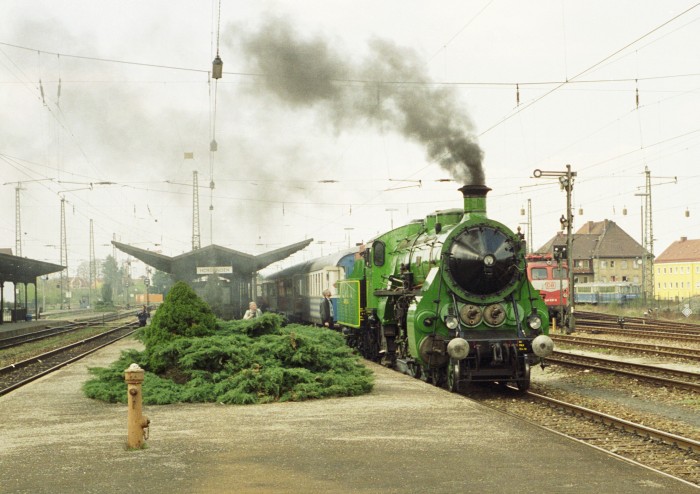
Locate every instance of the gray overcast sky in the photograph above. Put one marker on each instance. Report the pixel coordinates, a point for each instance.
(361, 93)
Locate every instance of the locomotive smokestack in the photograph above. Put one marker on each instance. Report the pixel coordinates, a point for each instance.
(474, 198)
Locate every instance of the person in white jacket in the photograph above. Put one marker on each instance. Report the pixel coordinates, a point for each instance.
(252, 311)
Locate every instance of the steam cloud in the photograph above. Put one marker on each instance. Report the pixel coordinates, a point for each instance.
(391, 86)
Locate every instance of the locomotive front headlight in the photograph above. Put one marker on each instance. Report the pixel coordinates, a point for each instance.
(458, 348)
(543, 346)
(534, 321)
(451, 321)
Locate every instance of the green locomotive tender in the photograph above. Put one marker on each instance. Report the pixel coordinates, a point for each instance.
(447, 299)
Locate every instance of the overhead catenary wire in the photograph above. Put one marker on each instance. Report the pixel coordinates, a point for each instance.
(585, 71)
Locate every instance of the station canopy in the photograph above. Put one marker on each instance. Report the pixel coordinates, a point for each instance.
(185, 265)
(22, 270)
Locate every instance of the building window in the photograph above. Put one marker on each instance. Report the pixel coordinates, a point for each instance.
(623, 264)
(612, 264)
(603, 264)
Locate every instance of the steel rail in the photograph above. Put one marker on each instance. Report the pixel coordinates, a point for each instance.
(681, 442)
(13, 367)
(636, 375)
(670, 351)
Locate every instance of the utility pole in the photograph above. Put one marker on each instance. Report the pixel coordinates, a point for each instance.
(648, 235)
(93, 266)
(391, 213)
(18, 222)
(196, 241)
(528, 224)
(64, 252)
(566, 182)
(18, 214)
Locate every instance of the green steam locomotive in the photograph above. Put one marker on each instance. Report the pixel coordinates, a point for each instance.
(447, 299)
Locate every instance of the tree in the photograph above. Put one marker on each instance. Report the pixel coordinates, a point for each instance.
(162, 282)
(112, 277)
(107, 294)
(182, 315)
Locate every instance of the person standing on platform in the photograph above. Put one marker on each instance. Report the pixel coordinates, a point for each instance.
(252, 311)
(326, 309)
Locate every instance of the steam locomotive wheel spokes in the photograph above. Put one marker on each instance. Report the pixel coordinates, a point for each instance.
(523, 384)
(453, 376)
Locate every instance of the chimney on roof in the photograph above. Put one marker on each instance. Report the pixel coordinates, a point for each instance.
(683, 239)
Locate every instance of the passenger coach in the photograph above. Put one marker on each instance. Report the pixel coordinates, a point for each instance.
(296, 292)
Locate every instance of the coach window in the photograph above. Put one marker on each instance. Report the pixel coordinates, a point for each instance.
(378, 253)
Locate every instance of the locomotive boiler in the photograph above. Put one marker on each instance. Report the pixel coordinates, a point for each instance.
(447, 299)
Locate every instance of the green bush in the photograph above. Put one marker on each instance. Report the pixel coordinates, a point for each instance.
(189, 358)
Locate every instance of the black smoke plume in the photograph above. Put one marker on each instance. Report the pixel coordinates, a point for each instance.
(390, 87)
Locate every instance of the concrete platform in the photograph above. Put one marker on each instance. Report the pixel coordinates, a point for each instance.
(404, 437)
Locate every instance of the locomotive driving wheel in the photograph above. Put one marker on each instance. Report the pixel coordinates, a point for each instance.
(436, 377)
(523, 384)
(453, 376)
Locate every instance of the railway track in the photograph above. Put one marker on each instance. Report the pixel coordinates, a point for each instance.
(642, 333)
(660, 375)
(20, 373)
(670, 453)
(657, 350)
(586, 320)
(49, 332)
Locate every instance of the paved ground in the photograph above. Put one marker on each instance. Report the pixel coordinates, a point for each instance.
(405, 436)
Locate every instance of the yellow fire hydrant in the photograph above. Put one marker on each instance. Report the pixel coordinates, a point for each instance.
(137, 422)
